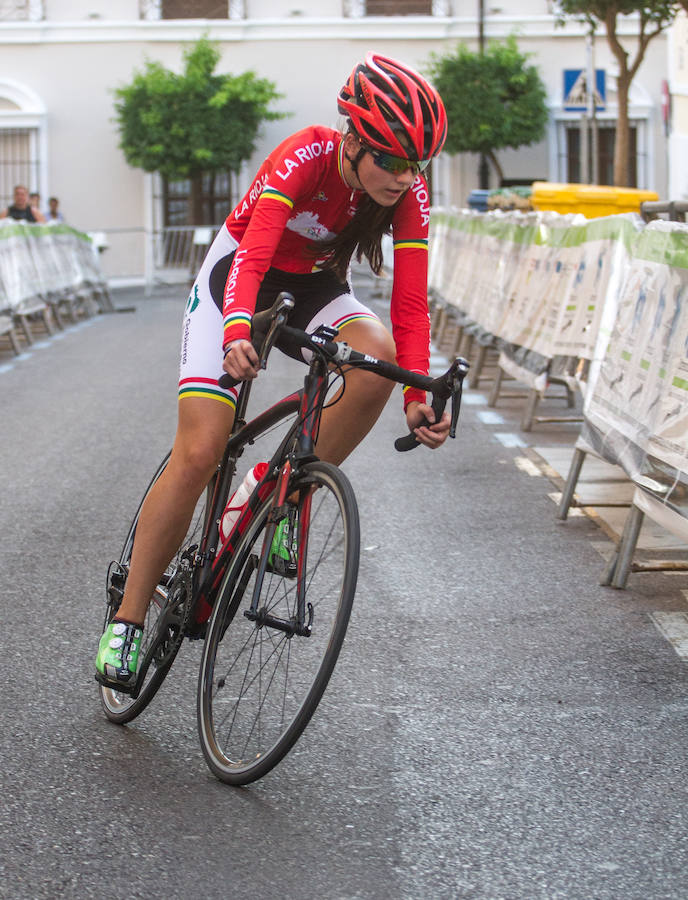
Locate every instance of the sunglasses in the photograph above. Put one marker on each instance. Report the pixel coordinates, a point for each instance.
(396, 164)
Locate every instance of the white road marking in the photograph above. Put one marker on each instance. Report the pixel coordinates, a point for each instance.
(527, 465)
(674, 627)
(509, 439)
(555, 497)
(43, 343)
(490, 417)
(24, 355)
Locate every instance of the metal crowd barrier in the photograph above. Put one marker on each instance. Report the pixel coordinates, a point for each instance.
(674, 210)
(600, 306)
(49, 274)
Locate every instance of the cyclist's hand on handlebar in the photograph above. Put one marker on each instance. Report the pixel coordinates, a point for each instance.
(241, 360)
(433, 435)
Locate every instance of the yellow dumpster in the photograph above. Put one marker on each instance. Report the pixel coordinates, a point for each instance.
(592, 200)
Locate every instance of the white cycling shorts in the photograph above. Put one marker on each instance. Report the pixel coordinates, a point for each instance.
(320, 300)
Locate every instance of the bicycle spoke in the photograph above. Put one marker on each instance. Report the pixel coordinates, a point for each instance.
(246, 685)
(275, 667)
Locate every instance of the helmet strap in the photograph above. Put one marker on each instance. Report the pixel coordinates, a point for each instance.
(354, 163)
(357, 159)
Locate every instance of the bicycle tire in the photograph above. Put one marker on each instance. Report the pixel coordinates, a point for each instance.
(172, 599)
(249, 719)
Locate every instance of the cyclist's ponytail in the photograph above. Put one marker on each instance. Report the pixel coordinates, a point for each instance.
(362, 236)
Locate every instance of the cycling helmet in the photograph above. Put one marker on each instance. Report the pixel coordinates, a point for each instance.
(394, 109)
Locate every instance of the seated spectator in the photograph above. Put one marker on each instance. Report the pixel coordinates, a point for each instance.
(54, 214)
(35, 204)
(21, 209)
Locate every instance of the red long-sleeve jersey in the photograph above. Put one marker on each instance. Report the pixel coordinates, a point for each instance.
(299, 197)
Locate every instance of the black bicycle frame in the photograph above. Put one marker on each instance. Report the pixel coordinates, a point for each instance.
(308, 402)
(308, 422)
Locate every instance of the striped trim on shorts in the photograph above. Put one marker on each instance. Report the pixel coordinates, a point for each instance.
(320, 300)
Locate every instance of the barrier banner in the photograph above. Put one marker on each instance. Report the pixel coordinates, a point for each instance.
(551, 291)
(636, 413)
(536, 284)
(19, 280)
(41, 260)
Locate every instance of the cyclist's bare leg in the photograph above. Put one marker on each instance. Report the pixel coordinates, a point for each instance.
(345, 424)
(202, 431)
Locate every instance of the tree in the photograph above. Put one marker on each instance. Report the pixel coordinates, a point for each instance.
(493, 99)
(653, 17)
(183, 126)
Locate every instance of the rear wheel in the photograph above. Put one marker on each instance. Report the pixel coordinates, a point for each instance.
(166, 617)
(265, 666)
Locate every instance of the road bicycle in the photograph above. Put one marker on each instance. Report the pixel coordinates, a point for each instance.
(272, 628)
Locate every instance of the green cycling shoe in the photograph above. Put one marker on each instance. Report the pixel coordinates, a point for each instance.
(283, 556)
(118, 656)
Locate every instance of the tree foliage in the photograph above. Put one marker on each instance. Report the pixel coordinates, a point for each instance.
(183, 125)
(653, 16)
(493, 99)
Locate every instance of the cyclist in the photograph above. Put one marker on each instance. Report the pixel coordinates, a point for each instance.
(321, 197)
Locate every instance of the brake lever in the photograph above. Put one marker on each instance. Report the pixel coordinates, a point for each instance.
(271, 337)
(458, 376)
(454, 377)
(226, 381)
(280, 314)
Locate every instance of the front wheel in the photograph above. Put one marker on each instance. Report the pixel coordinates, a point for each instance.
(275, 636)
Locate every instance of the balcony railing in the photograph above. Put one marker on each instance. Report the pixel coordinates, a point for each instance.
(154, 10)
(240, 9)
(192, 9)
(358, 9)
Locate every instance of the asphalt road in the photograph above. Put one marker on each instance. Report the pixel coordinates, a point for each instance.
(499, 725)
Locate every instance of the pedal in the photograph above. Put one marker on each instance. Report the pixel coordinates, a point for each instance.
(132, 690)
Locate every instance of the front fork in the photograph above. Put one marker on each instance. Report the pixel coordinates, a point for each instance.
(301, 620)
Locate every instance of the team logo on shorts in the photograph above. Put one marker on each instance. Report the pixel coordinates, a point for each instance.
(192, 302)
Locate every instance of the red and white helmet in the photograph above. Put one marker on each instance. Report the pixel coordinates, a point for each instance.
(394, 109)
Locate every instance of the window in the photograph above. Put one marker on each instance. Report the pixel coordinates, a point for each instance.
(18, 161)
(357, 9)
(398, 7)
(191, 9)
(206, 200)
(194, 9)
(605, 154)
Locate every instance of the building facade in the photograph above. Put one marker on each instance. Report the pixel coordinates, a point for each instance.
(61, 60)
(675, 110)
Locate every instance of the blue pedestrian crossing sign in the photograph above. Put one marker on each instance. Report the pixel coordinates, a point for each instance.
(576, 90)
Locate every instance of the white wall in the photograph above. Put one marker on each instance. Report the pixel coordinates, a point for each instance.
(72, 63)
(79, 10)
(678, 86)
(269, 9)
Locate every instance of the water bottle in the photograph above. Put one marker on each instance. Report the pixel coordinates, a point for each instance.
(238, 499)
